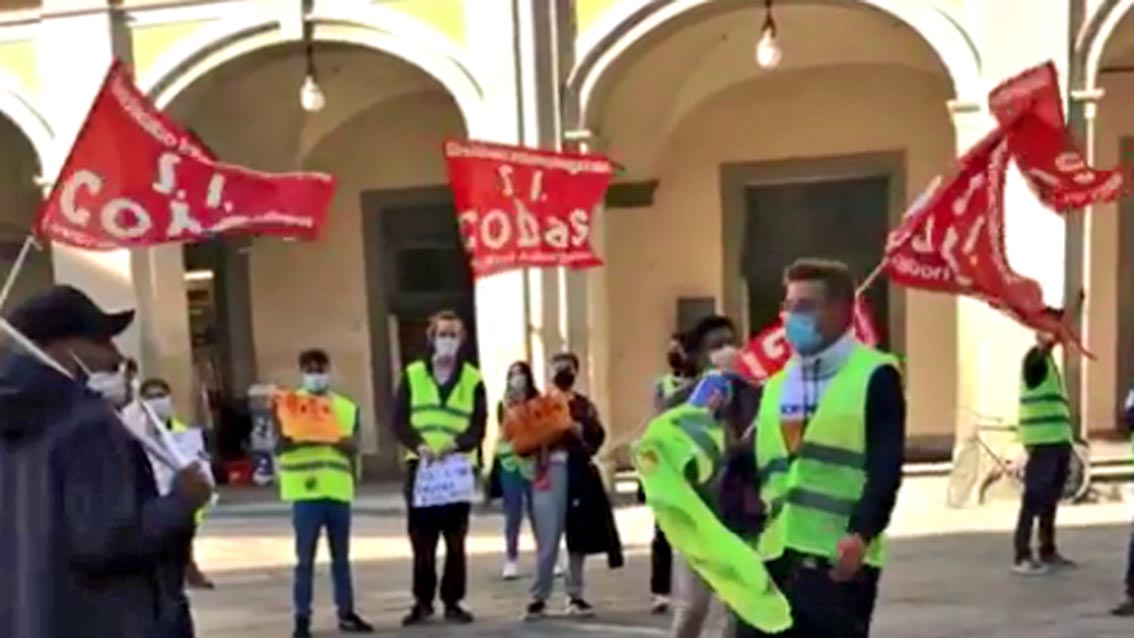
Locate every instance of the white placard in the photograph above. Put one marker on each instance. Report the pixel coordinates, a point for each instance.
(444, 482)
(190, 442)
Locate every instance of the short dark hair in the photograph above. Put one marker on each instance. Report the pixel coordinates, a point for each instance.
(154, 383)
(695, 337)
(836, 277)
(570, 357)
(314, 356)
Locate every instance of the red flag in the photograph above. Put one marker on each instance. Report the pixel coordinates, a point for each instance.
(134, 178)
(955, 243)
(769, 351)
(519, 207)
(1030, 109)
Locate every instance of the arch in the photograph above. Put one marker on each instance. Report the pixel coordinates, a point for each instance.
(377, 28)
(1093, 38)
(17, 106)
(632, 20)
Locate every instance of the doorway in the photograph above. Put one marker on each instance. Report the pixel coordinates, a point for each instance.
(416, 266)
(841, 219)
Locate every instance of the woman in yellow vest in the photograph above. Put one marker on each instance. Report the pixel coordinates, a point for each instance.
(829, 438)
(515, 472)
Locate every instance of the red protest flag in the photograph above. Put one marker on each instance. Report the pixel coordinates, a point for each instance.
(520, 207)
(955, 242)
(1029, 107)
(134, 179)
(769, 351)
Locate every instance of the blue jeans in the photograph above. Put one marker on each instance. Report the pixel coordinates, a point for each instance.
(517, 492)
(309, 518)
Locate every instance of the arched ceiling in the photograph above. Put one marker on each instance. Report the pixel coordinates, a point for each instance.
(248, 110)
(675, 69)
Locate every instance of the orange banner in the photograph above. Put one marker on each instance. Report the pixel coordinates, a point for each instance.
(307, 418)
(536, 423)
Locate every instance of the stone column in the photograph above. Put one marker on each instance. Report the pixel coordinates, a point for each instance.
(151, 281)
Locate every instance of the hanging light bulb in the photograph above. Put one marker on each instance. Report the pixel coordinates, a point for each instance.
(768, 51)
(311, 97)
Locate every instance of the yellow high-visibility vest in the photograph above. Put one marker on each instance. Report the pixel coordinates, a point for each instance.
(313, 472)
(811, 494)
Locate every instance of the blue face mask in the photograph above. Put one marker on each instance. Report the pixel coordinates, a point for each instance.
(802, 332)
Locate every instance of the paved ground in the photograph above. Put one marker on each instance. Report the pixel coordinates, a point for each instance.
(948, 577)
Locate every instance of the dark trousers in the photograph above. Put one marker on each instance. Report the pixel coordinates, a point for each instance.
(1044, 478)
(661, 564)
(309, 518)
(821, 607)
(426, 526)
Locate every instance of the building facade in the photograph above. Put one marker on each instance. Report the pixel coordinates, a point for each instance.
(731, 171)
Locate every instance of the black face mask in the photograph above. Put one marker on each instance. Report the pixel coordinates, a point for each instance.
(564, 379)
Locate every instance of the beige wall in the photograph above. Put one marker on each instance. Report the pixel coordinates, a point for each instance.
(674, 248)
(315, 295)
(1115, 120)
(19, 169)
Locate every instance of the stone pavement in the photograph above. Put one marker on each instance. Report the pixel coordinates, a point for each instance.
(948, 577)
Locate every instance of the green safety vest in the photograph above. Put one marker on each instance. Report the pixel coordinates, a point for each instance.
(439, 422)
(673, 440)
(1045, 416)
(314, 472)
(510, 462)
(668, 385)
(177, 425)
(811, 495)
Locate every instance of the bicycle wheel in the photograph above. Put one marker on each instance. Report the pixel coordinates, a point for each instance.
(963, 477)
(1078, 473)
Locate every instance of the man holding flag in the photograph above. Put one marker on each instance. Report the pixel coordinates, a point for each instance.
(86, 537)
(830, 433)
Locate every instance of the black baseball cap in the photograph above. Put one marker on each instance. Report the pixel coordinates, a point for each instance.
(65, 312)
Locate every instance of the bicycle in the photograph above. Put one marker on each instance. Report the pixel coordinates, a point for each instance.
(970, 471)
(967, 472)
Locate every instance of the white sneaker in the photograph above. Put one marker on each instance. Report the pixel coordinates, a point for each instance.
(511, 570)
(659, 605)
(1029, 567)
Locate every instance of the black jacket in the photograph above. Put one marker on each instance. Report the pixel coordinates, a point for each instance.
(87, 546)
(591, 528)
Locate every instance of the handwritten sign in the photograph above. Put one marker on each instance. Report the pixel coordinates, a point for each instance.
(307, 418)
(444, 482)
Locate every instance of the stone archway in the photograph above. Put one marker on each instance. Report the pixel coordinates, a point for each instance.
(712, 133)
(380, 134)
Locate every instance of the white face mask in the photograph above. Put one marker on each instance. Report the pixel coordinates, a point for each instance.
(446, 347)
(162, 407)
(316, 382)
(724, 358)
(111, 385)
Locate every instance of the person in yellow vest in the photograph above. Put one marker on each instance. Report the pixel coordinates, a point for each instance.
(661, 554)
(318, 480)
(830, 433)
(156, 393)
(1045, 431)
(439, 410)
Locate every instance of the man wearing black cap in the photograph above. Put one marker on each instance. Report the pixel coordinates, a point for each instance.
(84, 537)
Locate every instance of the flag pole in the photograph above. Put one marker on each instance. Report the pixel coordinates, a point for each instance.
(10, 282)
(871, 278)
